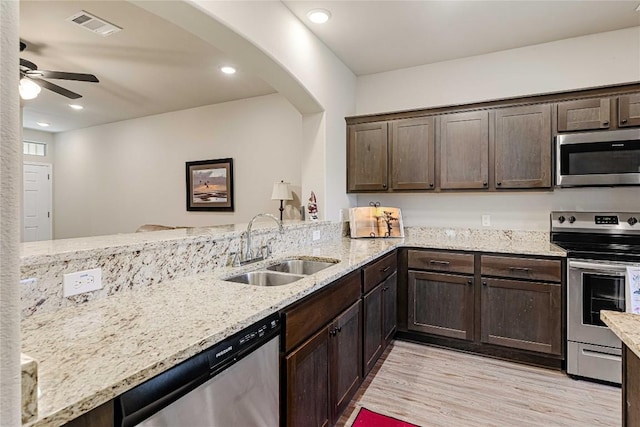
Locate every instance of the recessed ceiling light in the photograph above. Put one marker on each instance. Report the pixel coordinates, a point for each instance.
(319, 16)
(43, 124)
(228, 70)
(76, 106)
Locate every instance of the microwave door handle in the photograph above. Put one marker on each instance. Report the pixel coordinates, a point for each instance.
(598, 267)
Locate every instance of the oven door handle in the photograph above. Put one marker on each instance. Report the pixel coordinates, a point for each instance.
(621, 270)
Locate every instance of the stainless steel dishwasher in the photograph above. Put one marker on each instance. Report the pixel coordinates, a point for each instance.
(233, 383)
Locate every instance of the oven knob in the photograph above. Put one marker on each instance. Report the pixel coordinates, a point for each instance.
(572, 219)
(561, 219)
(632, 221)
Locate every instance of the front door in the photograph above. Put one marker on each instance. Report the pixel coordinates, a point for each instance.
(36, 202)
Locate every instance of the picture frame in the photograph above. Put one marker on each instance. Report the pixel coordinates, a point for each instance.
(210, 185)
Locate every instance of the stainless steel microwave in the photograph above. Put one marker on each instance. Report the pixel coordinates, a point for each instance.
(605, 158)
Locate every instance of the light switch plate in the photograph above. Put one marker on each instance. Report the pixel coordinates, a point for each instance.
(486, 220)
(82, 281)
(316, 234)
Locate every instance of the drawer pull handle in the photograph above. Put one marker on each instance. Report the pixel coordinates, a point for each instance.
(520, 269)
(387, 268)
(469, 282)
(433, 261)
(484, 283)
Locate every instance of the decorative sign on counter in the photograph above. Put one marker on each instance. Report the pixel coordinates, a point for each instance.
(633, 290)
(375, 221)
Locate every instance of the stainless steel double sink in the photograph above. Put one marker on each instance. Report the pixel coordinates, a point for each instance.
(283, 273)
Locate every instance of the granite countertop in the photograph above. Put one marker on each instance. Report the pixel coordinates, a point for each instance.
(626, 326)
(91, 353)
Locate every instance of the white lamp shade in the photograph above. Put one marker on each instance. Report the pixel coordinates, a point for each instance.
(28, 89)
(281, 191)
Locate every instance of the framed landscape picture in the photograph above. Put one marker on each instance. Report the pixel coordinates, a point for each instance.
(210, 185)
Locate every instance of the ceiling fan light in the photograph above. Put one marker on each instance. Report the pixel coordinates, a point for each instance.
(28, 89)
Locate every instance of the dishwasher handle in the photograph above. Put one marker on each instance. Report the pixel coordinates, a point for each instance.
(139, 403)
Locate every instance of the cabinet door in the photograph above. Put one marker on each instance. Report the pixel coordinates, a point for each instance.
(412, 154)
(345, 359)
(308, 382)
(372, 348)
(367, 157)
(584, 114)
(523, 147)
(464, 150)
(523, 315)
(389, 308)
(630, 388)
(629, 110)
(441, 304)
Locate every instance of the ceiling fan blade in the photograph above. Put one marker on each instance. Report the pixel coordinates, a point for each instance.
(61, 75)
(28, 64)
(57, 89)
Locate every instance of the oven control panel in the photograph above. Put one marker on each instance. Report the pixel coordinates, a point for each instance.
(596, 222)
(607, 219)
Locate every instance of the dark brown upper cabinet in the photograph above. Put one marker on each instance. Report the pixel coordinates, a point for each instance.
(367, 157)
(464, 150)
(584, 114)
(412, 154)
(629, 110)
(523, 147)
(496, 145)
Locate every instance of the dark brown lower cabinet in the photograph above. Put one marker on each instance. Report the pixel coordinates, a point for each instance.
(389, 308)
(441, 304)
(323, 373)
(308, 382)
(521, 314)
(379, 307)
(345, 359)
(630, 388)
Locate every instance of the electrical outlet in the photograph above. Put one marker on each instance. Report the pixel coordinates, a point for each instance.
(486, 220)
(316, 234)
(82, 281)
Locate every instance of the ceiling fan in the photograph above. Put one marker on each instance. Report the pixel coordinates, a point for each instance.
(32, 79)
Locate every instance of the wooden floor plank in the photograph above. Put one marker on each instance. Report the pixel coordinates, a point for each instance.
(435, 387)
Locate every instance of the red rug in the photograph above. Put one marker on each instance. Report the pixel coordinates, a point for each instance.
(367, 418)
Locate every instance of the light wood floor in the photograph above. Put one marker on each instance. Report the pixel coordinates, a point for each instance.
(435, 387)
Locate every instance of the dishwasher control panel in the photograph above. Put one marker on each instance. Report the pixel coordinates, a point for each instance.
(246, 338)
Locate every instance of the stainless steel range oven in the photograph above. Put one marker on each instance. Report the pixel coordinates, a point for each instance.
(600, 247)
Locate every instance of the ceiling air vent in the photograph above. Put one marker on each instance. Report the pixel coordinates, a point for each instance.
(93, 23)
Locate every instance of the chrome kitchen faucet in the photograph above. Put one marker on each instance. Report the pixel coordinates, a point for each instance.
(247, 257)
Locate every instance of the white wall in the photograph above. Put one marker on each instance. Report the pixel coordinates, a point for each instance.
(273, 29)
(116, 177)
(595, 60)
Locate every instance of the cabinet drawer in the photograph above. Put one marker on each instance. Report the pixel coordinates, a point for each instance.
(306, 318)
(378, 271)
(522, 268)
(441, 261)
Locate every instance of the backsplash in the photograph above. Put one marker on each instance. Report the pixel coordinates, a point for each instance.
(136, 260)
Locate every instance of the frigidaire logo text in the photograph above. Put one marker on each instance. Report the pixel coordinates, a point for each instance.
(225, 351)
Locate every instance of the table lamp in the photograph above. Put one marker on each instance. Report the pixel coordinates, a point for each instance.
(282, 192)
